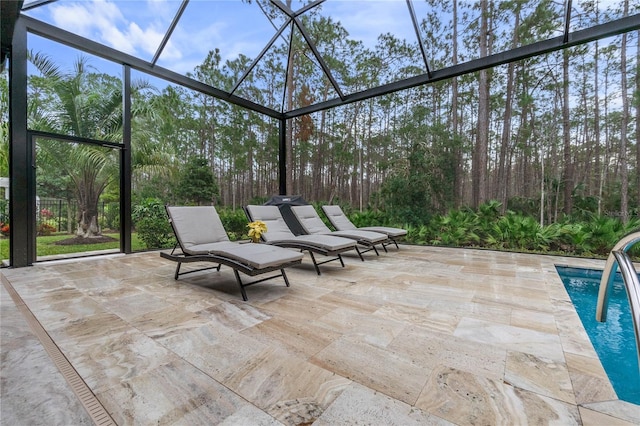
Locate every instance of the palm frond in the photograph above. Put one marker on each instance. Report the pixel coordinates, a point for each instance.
(45, 65)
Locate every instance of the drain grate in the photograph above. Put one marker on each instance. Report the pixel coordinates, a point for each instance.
(96, 410)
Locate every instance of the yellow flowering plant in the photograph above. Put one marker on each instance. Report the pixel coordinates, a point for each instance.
(256, 229)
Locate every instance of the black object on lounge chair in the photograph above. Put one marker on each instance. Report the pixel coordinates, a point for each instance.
(202, 238)
(341, 222)
(279, 234)
(284, 203)
(313, 225)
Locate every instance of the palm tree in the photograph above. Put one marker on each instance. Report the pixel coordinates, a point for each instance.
(88, 105)
(88, 169)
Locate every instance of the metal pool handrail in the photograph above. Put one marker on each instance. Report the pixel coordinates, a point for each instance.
(632, 284)
(619, 258)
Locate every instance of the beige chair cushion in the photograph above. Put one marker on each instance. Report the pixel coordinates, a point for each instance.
(392, 232)
(277, 228)
(259, 256)
(195, 225)
(342, 223)
(338, 218)
(313, 224)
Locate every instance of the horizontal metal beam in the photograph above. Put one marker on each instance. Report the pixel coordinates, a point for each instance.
(75, 139)
(575, 38)
(36, 3)
(54, 33)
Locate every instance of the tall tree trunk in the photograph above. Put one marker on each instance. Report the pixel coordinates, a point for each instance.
(459, 168)
(482, 138)
(502, 185)
(607, 139)
(587, 151)
(566, 135)
(624, 172)
(319, 160)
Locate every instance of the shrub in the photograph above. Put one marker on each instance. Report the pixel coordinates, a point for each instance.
(112, 216)
(235, 223)
(151, 221)
(417, 234)
(525, 206)
(44, 229)
(485, 227)
(517, 232)
(4, 211)
(458, 228)
(369, 218)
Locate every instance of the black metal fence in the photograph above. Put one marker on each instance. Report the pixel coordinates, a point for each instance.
(58, 215)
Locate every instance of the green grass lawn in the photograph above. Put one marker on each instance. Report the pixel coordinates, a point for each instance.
(45, 246)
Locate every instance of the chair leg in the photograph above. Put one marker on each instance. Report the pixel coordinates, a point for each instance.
(315, 264)
(175, 276)
(340, 258)
(359, 254)
(286, 280)
(244, 293)
(376, 250)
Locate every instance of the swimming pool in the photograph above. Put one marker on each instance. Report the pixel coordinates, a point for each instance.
(613, 340)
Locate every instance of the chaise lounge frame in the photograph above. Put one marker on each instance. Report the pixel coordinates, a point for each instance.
(340, 221)
(238, 266)
(312, 224)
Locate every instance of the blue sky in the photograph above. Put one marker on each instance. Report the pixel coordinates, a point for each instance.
(138, 26)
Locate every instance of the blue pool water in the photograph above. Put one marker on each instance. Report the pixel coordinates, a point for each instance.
(614, 340)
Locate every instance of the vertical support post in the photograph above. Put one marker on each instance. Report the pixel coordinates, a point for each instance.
(125, 163)
(567, 20)
(282, 156)
(59, 215)
(21, 167)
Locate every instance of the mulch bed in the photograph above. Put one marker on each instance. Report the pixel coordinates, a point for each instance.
(81, 240)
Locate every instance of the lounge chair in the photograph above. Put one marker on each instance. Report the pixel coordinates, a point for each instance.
(341, 222)
(313, 225)
(279, 234)
(202, 238)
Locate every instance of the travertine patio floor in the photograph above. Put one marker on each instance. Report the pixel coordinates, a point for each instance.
(420, 335)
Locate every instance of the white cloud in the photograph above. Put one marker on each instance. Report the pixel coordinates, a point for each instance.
(195, 42)
(138, 27)
(81, 18)
(147, 40)
(104, 22)
(365, 21)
